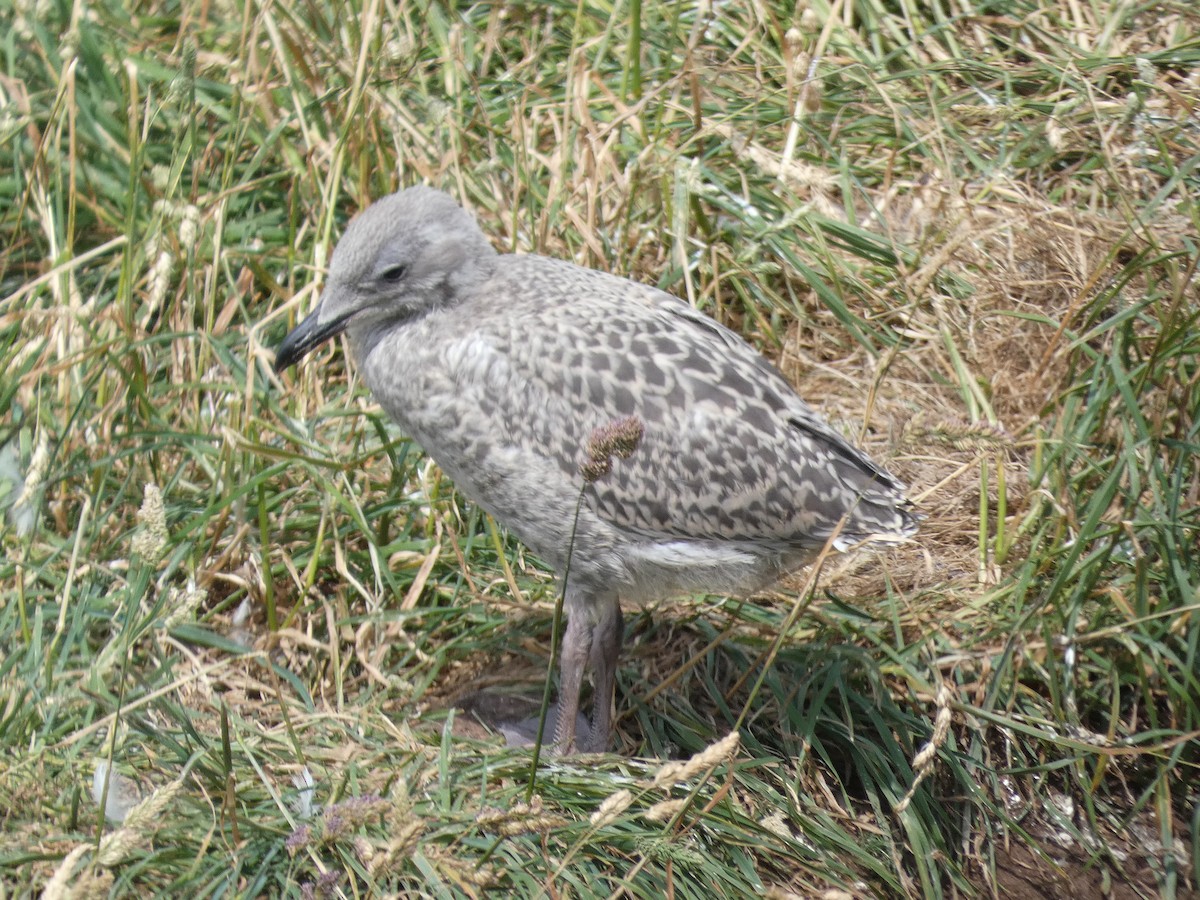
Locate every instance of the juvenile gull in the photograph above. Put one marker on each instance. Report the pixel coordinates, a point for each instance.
(504, 367)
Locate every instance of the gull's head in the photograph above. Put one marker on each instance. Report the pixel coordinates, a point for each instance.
(405, 255)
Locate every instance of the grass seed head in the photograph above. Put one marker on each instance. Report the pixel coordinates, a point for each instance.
(619, 438)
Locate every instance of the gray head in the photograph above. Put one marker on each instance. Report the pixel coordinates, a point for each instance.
(406, 254)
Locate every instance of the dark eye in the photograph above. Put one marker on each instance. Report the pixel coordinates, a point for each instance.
(392, 274)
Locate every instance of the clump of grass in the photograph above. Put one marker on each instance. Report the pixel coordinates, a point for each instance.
(968, 238)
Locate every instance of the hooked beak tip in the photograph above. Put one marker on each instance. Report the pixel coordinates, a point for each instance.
(305, 337)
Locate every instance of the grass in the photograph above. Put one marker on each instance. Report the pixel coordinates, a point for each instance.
(967, 233)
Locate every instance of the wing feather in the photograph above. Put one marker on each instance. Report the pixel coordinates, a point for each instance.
(729, 451)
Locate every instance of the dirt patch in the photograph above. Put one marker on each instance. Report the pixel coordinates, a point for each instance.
(1055, 873)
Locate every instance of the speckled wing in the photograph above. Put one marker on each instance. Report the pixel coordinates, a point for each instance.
(729, 452)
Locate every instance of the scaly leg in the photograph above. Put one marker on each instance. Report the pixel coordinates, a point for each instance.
(575, 645)
(606, 648)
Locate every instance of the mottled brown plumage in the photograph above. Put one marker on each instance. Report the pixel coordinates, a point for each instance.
(502, 367)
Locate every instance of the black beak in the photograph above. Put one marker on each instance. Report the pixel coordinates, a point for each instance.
(306, 336)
